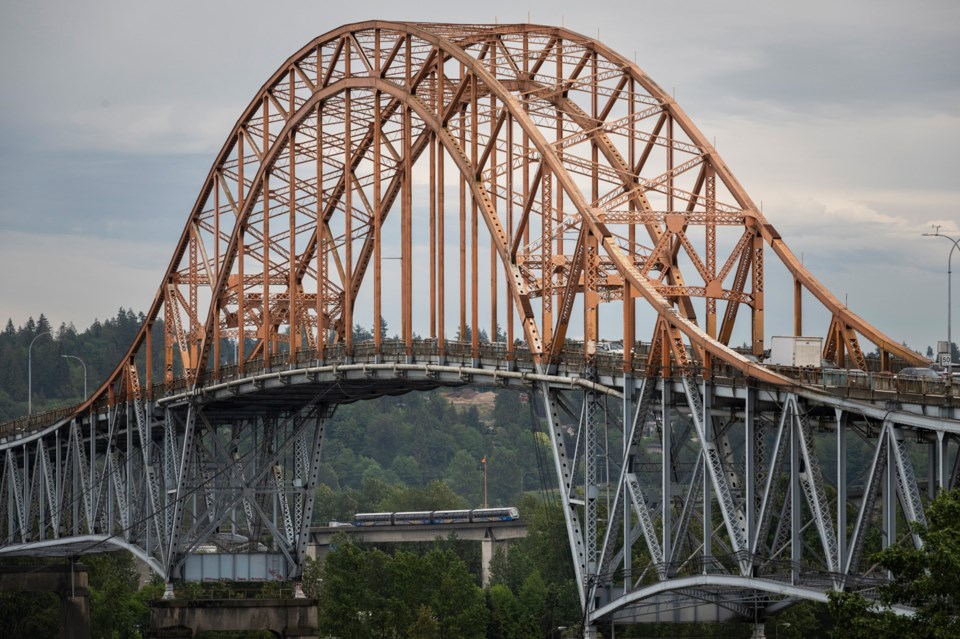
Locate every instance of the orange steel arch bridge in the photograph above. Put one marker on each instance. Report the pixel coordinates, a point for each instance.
(508, 180)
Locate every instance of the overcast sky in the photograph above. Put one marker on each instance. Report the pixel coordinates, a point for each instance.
(843, 118)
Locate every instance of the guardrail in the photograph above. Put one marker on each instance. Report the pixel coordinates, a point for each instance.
(856, 382)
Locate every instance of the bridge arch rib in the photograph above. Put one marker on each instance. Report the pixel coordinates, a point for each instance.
(384, 140)
(207, 296)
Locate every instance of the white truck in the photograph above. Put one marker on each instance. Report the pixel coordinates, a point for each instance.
(787, 350)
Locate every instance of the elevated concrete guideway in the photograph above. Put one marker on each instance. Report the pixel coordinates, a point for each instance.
(487, 533)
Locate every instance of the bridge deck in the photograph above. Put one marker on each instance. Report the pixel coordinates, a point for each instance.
(493, 363)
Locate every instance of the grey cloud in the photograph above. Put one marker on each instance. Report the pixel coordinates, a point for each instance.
(862, 77)
(112, 195)
(819, 107)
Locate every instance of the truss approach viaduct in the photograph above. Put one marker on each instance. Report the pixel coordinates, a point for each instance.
(507, 180)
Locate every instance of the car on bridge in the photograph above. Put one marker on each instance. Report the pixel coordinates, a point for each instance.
(918, 373)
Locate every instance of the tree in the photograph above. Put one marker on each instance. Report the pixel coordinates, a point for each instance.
(856, 617)
(361, 334)
(351, 601)
(383, 328)
(798, 622)
(458, 601)
(924, 579)
(465, 476)
(533, 605)
(29, 614)
(366, 593)
(425, 626)
(115, 610)
(406, 468)
(504, 613)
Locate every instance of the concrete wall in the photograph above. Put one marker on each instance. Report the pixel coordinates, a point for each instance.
(68, 581)
(283, 617)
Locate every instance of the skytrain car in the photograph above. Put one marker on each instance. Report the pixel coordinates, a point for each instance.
(373, 519)
(494, 514)
(425, 517)
(451, 516)
(416, 517)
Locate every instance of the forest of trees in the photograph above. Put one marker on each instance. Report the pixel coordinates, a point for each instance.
(58, 380)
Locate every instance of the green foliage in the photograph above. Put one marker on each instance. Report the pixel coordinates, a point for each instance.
(29, 614)
(424, 453)
(856, 617)
(805, 619)
(367, 593)
(538, 574)
(55, 380)
(505, 613)
(115, 609)
(425, 626)
(924, 579)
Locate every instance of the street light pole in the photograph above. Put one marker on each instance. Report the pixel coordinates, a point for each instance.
(484, 462)
(785, 624)
(30, 370)
(956, 244)
(84, 372)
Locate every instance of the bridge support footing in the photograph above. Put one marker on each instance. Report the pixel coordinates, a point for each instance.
(284, 617)
(68, 581)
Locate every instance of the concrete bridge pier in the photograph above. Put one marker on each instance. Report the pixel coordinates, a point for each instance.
(68, 581)
(285, 618)
(488, 546)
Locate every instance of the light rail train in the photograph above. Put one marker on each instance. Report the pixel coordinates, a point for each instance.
(421, 517)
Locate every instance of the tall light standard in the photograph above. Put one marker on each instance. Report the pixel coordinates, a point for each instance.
(785, 624)
(84, 372)
(30, 370)
(484, 462)
(956, 244)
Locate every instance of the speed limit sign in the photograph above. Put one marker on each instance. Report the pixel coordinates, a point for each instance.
(945, 359)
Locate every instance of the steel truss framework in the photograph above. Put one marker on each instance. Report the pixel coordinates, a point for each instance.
(563, 179)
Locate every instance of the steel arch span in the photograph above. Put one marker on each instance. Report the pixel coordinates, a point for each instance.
(508, 180)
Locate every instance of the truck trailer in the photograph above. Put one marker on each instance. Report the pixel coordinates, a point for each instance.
(802, 352)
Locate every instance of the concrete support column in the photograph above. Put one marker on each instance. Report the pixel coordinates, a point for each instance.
(487, 548)
(76, 617)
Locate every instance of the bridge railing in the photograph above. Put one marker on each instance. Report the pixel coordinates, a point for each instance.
(879, 384)
(36, 421)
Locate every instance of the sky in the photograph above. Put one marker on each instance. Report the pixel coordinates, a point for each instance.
(842, 119)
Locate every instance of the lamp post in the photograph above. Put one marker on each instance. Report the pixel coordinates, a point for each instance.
(84, 372)
(30, 370)
(484, 462)
(785, 624)
(956, 244)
